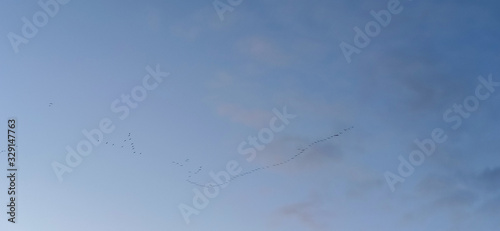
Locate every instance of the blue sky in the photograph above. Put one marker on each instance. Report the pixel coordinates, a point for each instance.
(227, 78)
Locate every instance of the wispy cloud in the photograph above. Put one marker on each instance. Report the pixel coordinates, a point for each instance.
(308, 213)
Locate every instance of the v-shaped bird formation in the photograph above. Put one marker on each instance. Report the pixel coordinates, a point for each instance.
(128, 142)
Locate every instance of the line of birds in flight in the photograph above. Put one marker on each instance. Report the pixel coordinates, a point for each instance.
(301, 151)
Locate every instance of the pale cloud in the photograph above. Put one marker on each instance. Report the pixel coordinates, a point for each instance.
(252, 118)
(308, 213)
(221, 79)
(194, 24)
(262, 49)
(462, 196)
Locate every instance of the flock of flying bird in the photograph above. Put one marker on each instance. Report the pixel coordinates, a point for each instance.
(128, 139)
(191, 173)
(301, 151)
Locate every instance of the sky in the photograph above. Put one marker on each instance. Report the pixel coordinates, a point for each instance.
(251, 115)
